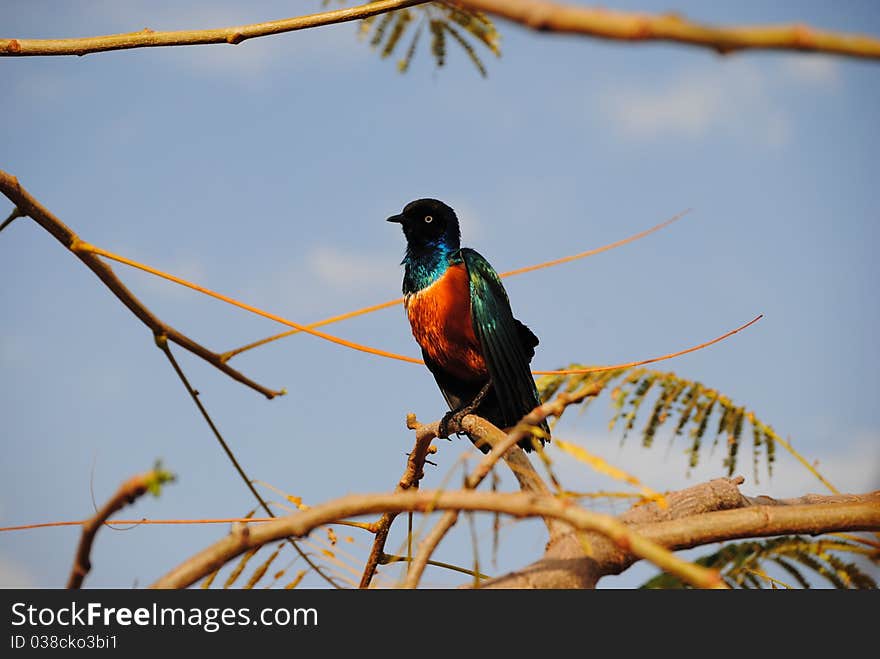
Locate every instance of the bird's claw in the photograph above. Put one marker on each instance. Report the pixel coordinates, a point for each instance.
(450, 418)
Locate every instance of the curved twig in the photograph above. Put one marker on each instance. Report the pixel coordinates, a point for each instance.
(127, 493)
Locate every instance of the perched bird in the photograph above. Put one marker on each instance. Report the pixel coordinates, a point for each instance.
(460, 315)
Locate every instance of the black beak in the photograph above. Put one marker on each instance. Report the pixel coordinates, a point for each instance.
(396, 218)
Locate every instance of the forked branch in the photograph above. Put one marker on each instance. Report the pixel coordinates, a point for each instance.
(29, 206)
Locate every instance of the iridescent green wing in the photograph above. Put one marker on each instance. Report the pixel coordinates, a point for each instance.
(506, 343)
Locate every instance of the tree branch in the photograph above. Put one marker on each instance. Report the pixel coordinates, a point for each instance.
(147, 38)
(857, 514)
(501, 447)
(28, 205)
(412, 474)
(631, 27)
(518, 504)
(162, 344)
(710, 512)
(127, 493)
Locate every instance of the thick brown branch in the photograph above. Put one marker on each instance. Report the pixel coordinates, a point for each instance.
(147, 38)
(710, 512)
(127, 493)
(518, 505)
(765, 521)
(29, 206)
(632, 27)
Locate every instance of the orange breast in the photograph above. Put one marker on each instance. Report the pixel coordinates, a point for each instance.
(440, 317)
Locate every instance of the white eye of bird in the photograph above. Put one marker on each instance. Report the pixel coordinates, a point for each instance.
(429, 219)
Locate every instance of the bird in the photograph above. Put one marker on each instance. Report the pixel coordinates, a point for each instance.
(460, 316)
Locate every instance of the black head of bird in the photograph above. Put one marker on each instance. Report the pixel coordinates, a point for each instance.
(428, 224)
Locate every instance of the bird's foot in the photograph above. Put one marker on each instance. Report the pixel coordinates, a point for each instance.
(456, 416)
(452, 418)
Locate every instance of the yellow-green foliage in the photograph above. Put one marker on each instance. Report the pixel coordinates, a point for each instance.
(745, 564)
(685, 405)
(466, 28)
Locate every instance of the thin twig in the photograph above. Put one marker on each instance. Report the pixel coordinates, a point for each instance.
(162, 343)
(413, 473)
(28, 205)
(811, 468)
(127, 493)
(148, 38)
(671, 355)
(391, 558)
(672, 27)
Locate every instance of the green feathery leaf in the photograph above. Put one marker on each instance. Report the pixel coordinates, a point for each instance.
(740, 561)
(438, 42)
(403, 64)
(469, 49)
(381, 29)
(404, 17)
(262, 567)
(466, 28)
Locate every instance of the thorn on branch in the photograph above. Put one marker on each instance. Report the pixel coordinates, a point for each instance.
(16, 212)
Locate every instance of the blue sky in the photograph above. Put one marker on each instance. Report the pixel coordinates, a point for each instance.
(265, 171)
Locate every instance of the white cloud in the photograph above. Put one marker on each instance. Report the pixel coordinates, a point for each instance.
(812, 69)
(688, 108)
(350, 270)
(730, 97)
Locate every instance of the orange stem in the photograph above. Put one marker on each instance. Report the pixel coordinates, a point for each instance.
(226, 356)
(86, 247)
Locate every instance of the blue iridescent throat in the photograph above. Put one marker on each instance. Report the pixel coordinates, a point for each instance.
(426, 265)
